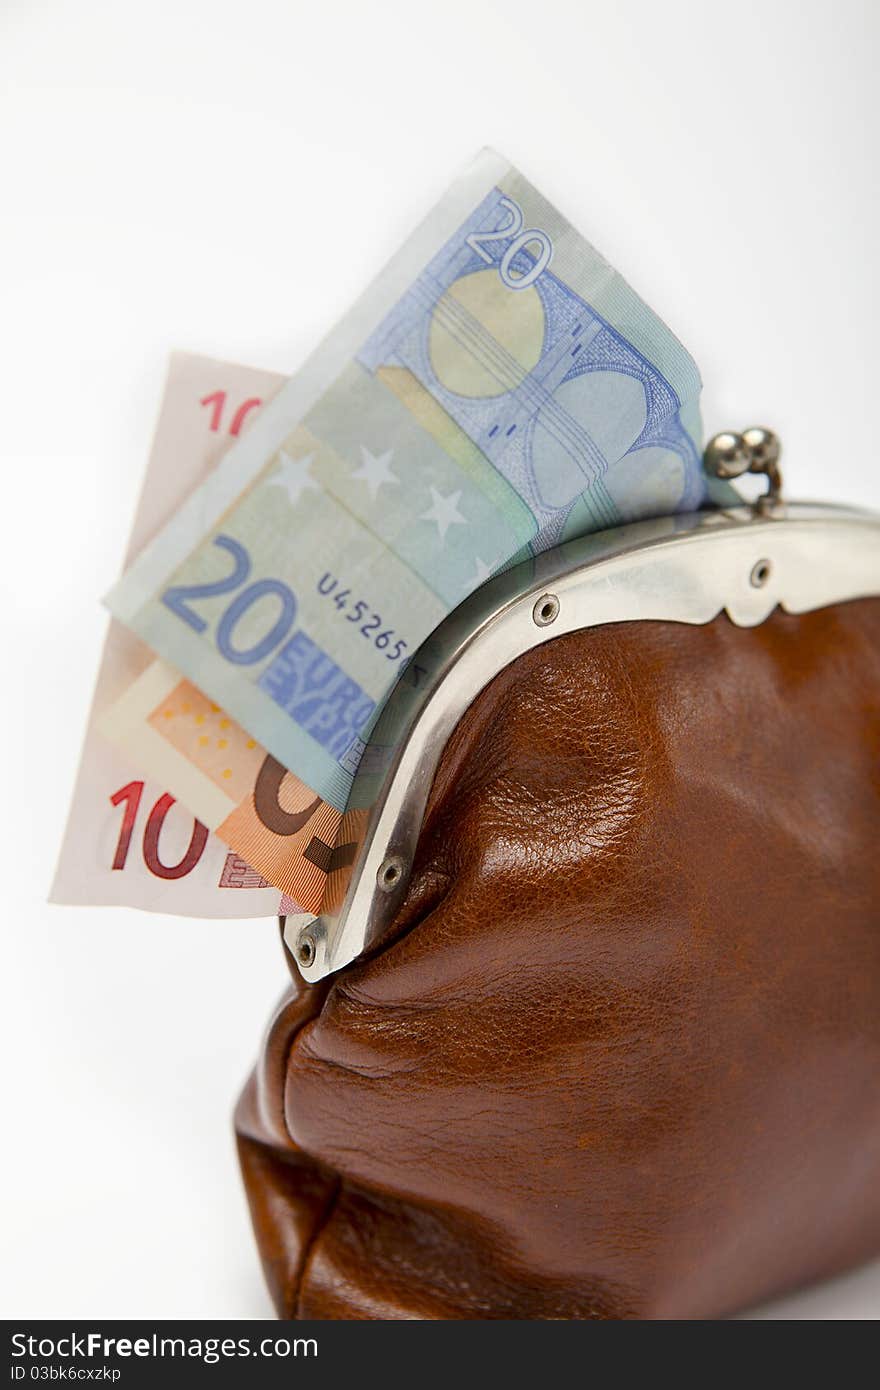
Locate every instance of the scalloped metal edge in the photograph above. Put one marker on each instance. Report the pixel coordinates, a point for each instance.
(686, 569)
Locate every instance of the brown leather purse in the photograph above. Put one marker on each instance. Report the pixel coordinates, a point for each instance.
(605, 1042)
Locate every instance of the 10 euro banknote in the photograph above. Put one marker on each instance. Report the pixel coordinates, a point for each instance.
(499, 389)
(133, 838)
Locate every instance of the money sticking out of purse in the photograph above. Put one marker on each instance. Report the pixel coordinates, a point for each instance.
(591, 1028)
(745, 561)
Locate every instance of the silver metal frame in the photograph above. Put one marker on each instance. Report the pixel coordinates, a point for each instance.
(684, 569)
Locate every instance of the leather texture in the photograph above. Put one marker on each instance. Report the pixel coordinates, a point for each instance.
(619, 1055)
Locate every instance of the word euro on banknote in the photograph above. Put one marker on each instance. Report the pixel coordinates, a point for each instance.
(500, 388)
(129, 841)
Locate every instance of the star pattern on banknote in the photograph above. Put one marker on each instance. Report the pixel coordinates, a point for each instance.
(294, 476)
(481, 573)
(444, 512)
(375, 469)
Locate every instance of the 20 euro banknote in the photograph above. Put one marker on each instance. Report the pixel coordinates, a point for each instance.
(500, 388)
(132, 839)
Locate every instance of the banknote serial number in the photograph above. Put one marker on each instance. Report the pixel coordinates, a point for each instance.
(181, 597)
(365, 619)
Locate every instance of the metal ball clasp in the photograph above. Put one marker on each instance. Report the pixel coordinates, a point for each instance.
(756, 450)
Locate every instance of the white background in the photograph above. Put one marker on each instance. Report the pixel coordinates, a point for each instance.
(226, 177)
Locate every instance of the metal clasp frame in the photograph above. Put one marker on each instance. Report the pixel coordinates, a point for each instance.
(687, 569)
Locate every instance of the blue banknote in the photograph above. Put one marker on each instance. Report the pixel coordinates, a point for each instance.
(499, 389)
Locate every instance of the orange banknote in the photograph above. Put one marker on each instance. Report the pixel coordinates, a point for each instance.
(294, 838)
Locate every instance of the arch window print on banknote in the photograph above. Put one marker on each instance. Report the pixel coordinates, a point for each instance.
(498, 390)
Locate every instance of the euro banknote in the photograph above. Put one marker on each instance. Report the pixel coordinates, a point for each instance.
(129, 841)
(499, 389)
(265, 814)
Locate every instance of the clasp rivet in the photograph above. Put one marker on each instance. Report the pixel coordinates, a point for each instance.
(305, 951)
(546, 610)
(390, 873)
